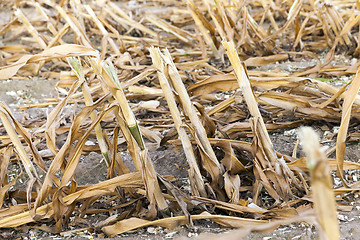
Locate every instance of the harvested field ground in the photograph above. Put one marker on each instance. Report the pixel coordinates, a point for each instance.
(179, 119)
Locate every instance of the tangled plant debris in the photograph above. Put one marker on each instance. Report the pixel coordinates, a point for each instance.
(187, 75)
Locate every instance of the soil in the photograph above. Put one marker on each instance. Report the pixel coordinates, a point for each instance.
(92, 170)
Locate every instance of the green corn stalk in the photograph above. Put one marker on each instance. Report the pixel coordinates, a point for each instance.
(78, 70)
(107, 74)
(119, 95)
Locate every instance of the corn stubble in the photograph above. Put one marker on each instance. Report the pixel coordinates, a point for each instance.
(107, 56)
(322, 192)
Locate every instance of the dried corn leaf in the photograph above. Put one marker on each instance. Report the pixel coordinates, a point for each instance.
(61, 51)
(171, 223)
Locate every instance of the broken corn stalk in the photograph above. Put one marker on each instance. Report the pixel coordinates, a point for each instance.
(196, 181)
(322, 190)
